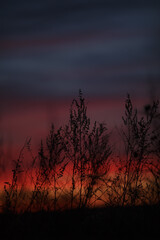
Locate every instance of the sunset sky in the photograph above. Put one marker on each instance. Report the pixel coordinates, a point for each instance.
(51, 49)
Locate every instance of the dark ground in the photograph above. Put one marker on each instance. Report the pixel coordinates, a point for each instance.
(99, 223)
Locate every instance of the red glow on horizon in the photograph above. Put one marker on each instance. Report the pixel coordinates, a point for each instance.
(33, 119)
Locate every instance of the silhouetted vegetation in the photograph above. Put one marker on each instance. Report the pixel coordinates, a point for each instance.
(129, 185)
(73, 166)
(13, 191)
(76, 170)
(88, 151)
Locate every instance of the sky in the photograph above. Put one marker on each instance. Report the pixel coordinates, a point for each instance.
(51, 49)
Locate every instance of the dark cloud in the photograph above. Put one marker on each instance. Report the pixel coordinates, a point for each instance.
(56, 47)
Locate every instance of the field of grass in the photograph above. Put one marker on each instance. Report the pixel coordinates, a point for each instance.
(71, 174)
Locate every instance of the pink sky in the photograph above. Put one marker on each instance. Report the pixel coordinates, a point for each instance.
(28, 118)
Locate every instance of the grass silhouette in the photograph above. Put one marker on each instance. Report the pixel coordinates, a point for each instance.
(71, 176)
